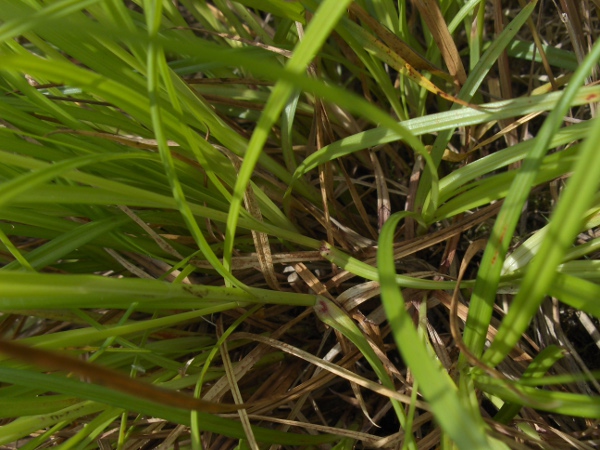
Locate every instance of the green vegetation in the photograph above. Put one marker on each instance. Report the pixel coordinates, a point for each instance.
(299, 224)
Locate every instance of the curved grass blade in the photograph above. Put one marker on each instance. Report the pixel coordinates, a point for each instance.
(466, 430)
(156, 62)
(565, 224)
(576, 292)
(427, 196)
(555, 402)
(325, 18)
(488, 276)
(438, 122)
(536, 369)
(338, 319)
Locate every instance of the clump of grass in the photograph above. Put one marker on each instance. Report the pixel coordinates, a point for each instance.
(327, 224)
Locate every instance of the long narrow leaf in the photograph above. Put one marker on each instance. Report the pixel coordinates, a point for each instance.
(437, 387)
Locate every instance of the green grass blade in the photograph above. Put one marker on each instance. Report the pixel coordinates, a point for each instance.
(437, 122)
(106, 396)
(536, 369)
(335, 317)
(155, 59)
(12, 432)
(427, 198)
(62, 245)
(564, 226)
(34, 18)
(493, 259)
(35, 406)
(437, 387)
(576, 292)
(30, 291)
(577, 405)
(324, 20)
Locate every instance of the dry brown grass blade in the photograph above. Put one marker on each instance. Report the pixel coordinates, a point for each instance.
(50, 360)
(370, 439)
(157, 268)
(462, 312)
(503, 67)
(261, 240)
(162, 243)
(394, 42)
(397, 62)
(473, 249)
(346, 236)
(504, 132)
(220, 387)
(280, 382)
(357, 201)
(355, 295)
(425, 443)
(589, 326)
(170, 441)
(407, 248)
(504, 85)
(333, 368)
(539, 47)
(573, 362)
(440, 347)
(384, 206)
(448, 258)
(454, 304)
(130, 267)
(303, 392)
(588, 18)
(318, 378)
(263, 251)
(323, 136)
(311, 280)
(251, 261)
(351, 56)
(361, 402)
(404, 249)
(235, 389)
(432, 15)
(510, 128)
(410, 224)
(570, 17)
